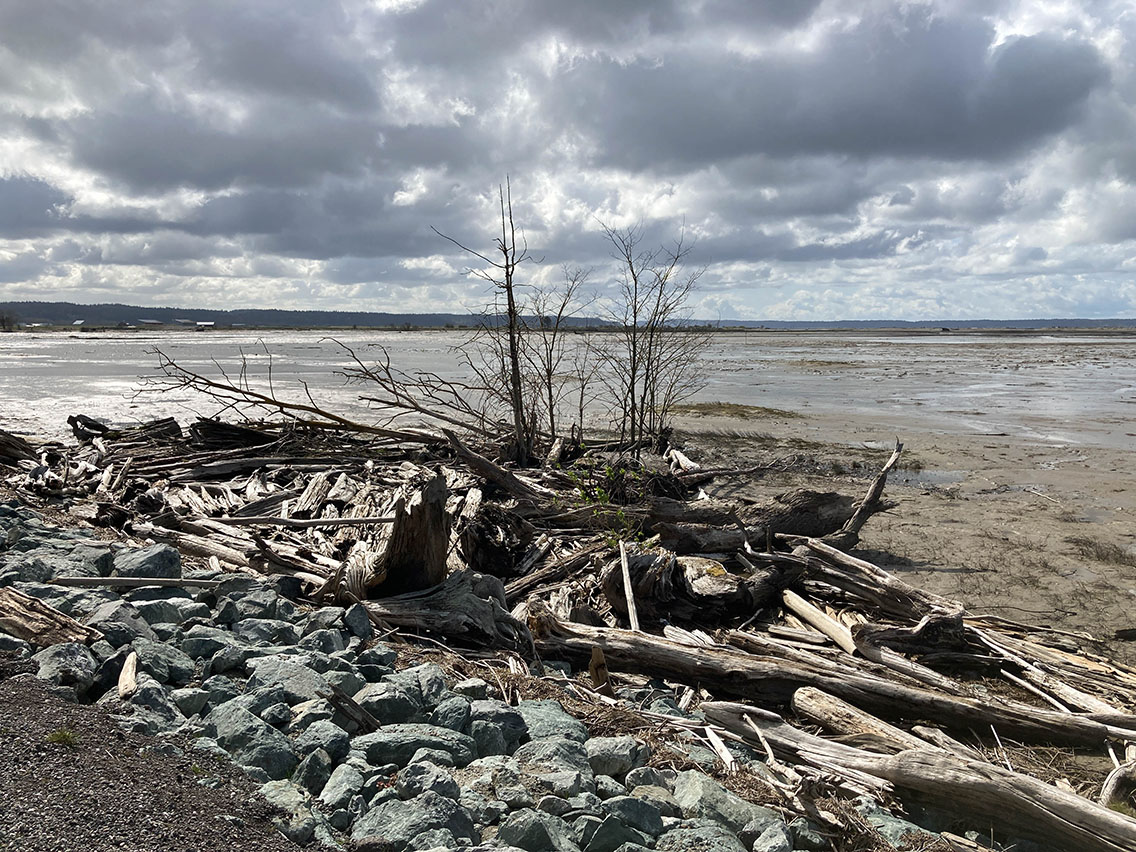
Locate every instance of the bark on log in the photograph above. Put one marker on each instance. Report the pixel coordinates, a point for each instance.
(34, 621)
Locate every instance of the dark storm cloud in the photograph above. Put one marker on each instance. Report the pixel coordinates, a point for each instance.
(929, 89)
(29, 207)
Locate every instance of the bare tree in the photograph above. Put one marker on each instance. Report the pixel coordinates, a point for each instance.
(8, 321)
(545, 346)
(657, 362)
(501, 273)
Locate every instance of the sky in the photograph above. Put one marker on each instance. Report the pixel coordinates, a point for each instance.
(822, 159)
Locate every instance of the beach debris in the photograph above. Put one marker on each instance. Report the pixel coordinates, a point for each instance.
(605, 566)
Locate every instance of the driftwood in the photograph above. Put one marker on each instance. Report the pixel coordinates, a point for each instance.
(1035, 809)
(468, 608)
(34, 621)
(773, 680)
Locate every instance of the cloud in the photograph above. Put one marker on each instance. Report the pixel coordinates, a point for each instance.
(940, 158)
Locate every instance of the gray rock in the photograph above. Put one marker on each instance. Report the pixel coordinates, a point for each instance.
(434, 840)
(775, 838)
(473, 688)
(484, 811)
(343, 785)
(807, 836)
(616, 756)
(349, 681)
(660, 797)
(637, 813)
(153, 710)
(278, 715)
(221, 689)
(298, 682)
(700, 797)
(553, 754)
(261, 604)
(434, 756)
(703, 835)
(425, 684)
(164, 662)
(584, 827)
(303, 823)
(389, 702)
(120, 623)
(554, 805)
(313, 772)
(417, 778)
(158, 560)
(325, 641)
(489, 738)
(453, 713)
(159, 612)
(324, 618)
(612, 833)
(357, 622)
(201, 642)
(265, 631)
(536, 831)
(67, 664)
(505, 719)
(250, 740)
(12, 645)
(397, 743)
(377, 655)
(607, 787)
(651, 777)
(190, 700)
(546, 718)
(395, 823)
(324, 735)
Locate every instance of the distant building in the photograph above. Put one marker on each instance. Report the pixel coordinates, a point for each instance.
(78, 322)
(204, 325)
(151, 322)
(185, 322)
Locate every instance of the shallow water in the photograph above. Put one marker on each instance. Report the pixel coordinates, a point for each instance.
(1076, 389)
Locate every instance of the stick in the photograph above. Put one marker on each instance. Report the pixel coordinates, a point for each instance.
(628, 593)
(133, 582)
(271, 520)
(831, 628)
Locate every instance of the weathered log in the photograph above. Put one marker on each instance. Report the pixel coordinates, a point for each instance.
(1036, 809)
(851, 724)
(467, 607)
(773, 680)
(13, 448)
(506, 480)
(41, 624)
(410, 553)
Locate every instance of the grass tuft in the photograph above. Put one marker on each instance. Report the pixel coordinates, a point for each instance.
(63, 737)
(734, 410)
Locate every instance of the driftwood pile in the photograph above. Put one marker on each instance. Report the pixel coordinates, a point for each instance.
(853, 681)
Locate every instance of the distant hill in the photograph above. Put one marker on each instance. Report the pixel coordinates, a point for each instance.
(111, 315)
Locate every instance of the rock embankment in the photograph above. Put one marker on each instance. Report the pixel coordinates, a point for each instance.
(251, 678)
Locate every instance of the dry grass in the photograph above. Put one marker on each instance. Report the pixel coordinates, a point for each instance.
(1102, 551)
